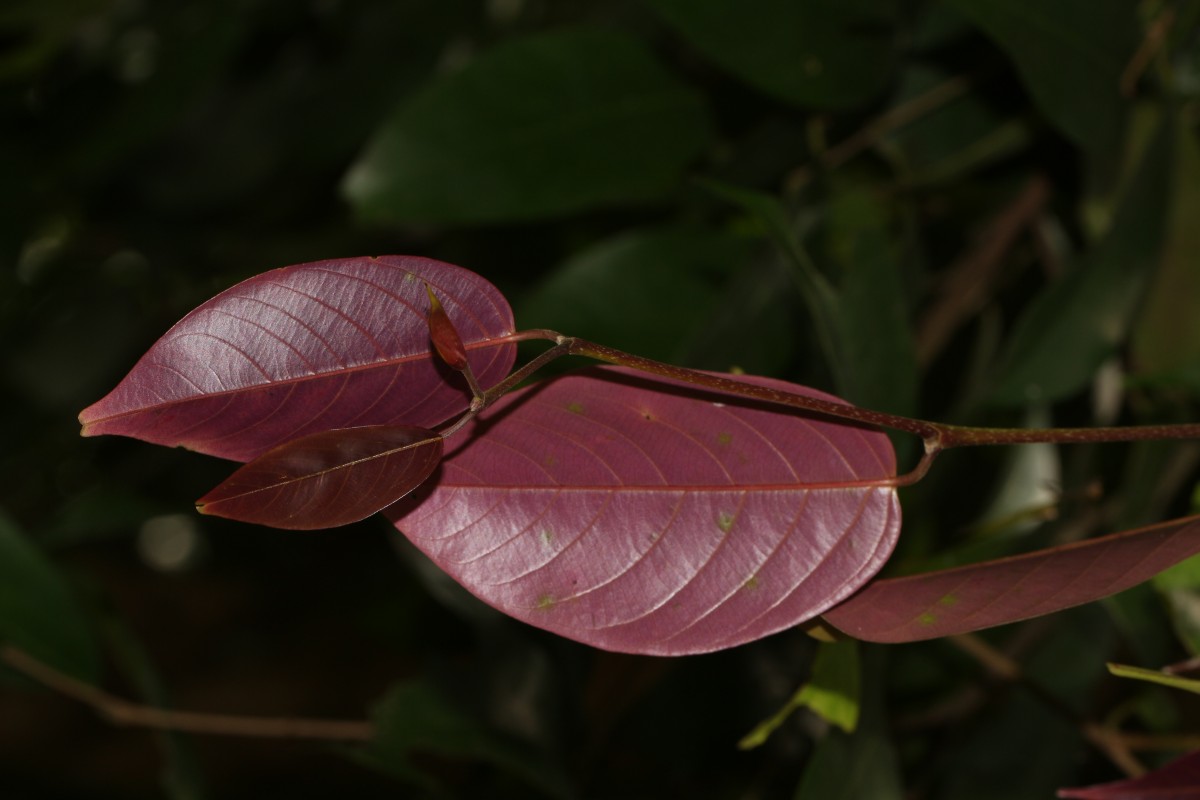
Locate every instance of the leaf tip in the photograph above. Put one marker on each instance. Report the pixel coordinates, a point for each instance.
(86, 419)
(435, 305)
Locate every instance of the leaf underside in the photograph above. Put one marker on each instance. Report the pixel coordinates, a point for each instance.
(1006, 590)
(327, 479)
(1178, 780)
(307, 348)
(646, 516)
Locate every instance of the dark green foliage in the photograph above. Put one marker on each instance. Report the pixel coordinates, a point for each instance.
(779, 186)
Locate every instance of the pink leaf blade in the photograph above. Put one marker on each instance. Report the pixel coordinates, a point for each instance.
(1178, 780)
(998, 592)
(647, 516)
(329, 344)
(327, 479)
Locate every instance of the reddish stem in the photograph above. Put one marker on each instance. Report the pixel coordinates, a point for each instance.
(936, 436)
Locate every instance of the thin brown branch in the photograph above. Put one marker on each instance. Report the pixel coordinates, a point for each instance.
(1116, 748)
(1152, 42)
(119, 711)
(1158, 742)
(971, 280)
(928, 431)
(893, 119)
(936, 436)
(1000, 665)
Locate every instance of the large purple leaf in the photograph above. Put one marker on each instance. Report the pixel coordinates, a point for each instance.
(1006, 590)
(327, 479)
(1178, 780)
(647, 516)
(330, 344)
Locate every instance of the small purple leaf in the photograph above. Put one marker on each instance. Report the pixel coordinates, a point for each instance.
(1178, 780)
(331, 344)
(327, 479)
(648, 516)
(444, 335)
(1006, 590)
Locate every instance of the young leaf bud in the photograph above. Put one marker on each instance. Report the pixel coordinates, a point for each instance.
(444, 335)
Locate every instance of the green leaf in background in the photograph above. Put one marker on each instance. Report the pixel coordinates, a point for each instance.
(415, 718)
(832, 693)
(945, 131)
(651, 292)
(826, 53)
(536, 127)
(38, 613)
(1076, 323)
(953, 140)
(1166, 335)
(1179, 588)
(820, 298)
(1154, 676)
(879, 368)
(1027, 749)
(1070, 54)
(858, 765)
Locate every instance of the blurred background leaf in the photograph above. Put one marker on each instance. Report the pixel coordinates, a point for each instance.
(657, 290)
(818, 53)
(38, 611)
(1070, 55)
(1086, 315)
(540, 126)
(794, 188)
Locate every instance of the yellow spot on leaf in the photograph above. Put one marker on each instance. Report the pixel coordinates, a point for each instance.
(948, 600)
(724, 438)
(575, 407)
(725, 521)
(751, 583)
(545, 602)
(928, 618)
(548, 536)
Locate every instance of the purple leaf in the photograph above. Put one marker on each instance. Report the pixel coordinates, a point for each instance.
(648, 516)
(331, 344)
(444, 335)
(1179, 780)
(1006, 590)
(327, 479)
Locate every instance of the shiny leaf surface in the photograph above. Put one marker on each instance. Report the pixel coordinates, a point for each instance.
(327, 479)
(298, 350)
(645, 516)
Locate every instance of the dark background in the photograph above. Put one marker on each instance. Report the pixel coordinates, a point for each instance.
(1001, 196)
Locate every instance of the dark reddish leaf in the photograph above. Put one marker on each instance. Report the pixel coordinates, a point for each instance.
(1179, 780)
(647, 516)
(1010, 589)
(444, 335)
(331, 344)
(327, 479)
